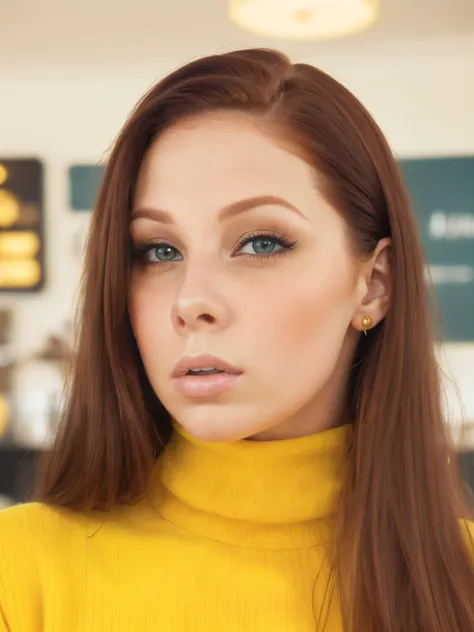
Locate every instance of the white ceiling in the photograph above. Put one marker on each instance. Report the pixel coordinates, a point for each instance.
(139, 31)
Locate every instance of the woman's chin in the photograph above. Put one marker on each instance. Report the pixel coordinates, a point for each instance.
(223, 427)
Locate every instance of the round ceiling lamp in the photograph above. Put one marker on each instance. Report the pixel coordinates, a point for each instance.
(303, 19)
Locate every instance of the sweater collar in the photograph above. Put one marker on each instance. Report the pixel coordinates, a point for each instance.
(261, 494)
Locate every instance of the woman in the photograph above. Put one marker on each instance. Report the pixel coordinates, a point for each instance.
(253, 438)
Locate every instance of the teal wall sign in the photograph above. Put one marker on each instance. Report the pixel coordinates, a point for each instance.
(442, 192)
(84, 183)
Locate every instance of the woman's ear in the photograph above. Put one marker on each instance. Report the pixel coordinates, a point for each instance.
(376, 275)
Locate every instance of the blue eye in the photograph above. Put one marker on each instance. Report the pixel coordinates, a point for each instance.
(161, 253)
(261, 246)
(264, 245)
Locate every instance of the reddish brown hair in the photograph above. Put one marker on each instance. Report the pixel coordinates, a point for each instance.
(401, 562)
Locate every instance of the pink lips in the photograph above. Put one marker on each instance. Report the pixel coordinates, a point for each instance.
(204, 385)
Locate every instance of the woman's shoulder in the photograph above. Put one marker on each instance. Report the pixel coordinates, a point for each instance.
(27, 514)
(32, 533)
(35, 537)
(31, 522)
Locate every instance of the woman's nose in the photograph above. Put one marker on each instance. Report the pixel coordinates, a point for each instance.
(197, 308)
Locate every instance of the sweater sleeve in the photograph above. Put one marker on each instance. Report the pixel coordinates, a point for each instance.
(42, 552)
(20, 594)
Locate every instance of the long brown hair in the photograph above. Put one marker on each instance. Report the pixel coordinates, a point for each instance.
(401, 561)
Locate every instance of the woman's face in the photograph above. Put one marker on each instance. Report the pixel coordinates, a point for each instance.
(239, 257)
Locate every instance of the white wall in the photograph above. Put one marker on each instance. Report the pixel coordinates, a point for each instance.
(423, 98)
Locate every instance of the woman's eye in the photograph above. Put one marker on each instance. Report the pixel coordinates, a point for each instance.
(249, 245)
(162, 253)
(262, 246)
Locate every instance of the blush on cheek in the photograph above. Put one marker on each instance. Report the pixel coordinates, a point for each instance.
(311, 324)
(312, 347)
(318, 304)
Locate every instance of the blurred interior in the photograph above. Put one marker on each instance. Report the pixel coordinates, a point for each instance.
(71, 71)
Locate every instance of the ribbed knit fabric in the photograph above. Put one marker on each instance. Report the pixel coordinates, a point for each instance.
(232, 537)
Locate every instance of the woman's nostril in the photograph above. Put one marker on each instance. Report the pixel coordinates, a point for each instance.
(207, 318)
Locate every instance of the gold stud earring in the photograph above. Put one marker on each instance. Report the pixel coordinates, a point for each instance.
(366, 324)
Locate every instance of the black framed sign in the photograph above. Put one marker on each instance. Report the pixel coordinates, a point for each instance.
(21, 225)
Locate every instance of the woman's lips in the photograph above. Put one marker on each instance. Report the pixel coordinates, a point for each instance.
(200, 384)
(202, 361)
(205, 385)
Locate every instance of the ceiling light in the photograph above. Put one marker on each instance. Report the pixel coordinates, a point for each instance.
(303, 19)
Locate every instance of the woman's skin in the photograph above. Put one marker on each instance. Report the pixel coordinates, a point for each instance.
(237, 254)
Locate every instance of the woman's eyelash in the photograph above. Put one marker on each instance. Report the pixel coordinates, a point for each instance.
(281, 240)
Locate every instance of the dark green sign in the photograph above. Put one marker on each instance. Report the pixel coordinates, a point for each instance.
(442, 191)
(84, 183)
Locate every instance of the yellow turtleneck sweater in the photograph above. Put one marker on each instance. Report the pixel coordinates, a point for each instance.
(231, 537)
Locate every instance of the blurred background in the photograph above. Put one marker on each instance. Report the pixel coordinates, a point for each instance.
(70, 72)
